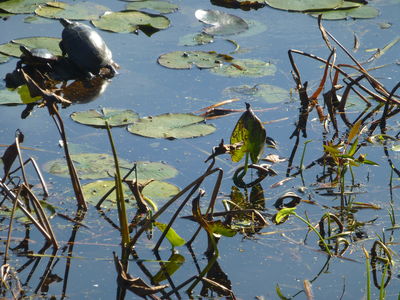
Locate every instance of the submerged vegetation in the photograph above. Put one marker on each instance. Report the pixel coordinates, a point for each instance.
(133, 199)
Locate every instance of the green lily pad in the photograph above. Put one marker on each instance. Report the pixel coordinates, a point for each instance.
(269, 93)
(4, 58)
(360, 12)
(37, 20)
(115, 117)
(156, 191)
(50, 43)
(77, 11)
(186, 59)
(304, 5)
(160, 6)
(222, 23)
(153, 170)
(246, 68)
(131, 21)
(195, 39)
(20, 95)
(20, 6)
(172, 126)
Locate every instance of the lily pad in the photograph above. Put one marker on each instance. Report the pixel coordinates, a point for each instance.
(360, 12)
(243, 4)
(186, 59)
(131, 21)
(159, 6)
(20, 6)
(222, 23)
(19, 96)
(269, 93)
(153, 170)
(50, 43)
(172, 126)
(4, 58)
(77, 11)
(156, 190)
(36, 20)
(115, 117)
(304, 5)
(195, 39)
(246, 68)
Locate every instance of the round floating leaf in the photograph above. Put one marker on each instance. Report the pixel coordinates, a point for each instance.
(171, 126)
(37, 20)
(186, 59)
(222, 23)
(195, 39)
(153, 170)
(50, 43)
(130, 21)
(361, 12)
(269, 93)
(4, 58)
(115, 117)
(304, 5)
(20, 6)
(246, 68)
(156, 190)
(19, 96)
(76, 11)
(160, 6)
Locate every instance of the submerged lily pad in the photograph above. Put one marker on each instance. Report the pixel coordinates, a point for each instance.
(246, 68)
(160, 6)
(304, 5)
(269, 93)
(19, 6)
(4, 58)
(186, 59)
(131, 21)
(195, 39)
(77, 11)
(360, 12)
(50, 43)
(222, 23)
(115, 117)
(156, 190)
(172, 126)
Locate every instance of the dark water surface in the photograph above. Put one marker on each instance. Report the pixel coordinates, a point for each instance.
(254, 266)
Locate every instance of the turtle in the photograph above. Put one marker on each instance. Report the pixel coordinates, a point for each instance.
(86, 48)
(36, 57)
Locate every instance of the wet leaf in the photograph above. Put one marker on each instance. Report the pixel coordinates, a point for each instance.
(4, 58)
(251, 133)
(171, 126)
(156, 190)
(131, 21)
(361, 12)
(50, 43)
(218, 228)
(20, 95)
(77, 11)
(222, 23)
(284, 213)
(304, 5)
(269, 93)
(114, 117)
(159, 6)
(171, 235)
(20, 6)
(196, 39)
(186, 59)
(246, 68)
(174, 263)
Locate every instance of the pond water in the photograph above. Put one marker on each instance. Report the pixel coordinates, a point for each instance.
(251, 265)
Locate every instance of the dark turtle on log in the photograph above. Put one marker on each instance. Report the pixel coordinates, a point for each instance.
(86, 48)
(36, 57)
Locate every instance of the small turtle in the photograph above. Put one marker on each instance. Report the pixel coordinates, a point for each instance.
(86, 48)
(36, 56)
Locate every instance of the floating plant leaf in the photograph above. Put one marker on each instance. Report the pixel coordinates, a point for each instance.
(283, 214)
(360, 12)
(245, 68)
(186, 59)
(269, 93)
(37, 20)
(196, 39)
(131, 21)
(171, 235)
(77, 11)
(20, 96)
(20, 6)
(250, 132)
(155, 190)
(174, 263)
(50, 43)
(115, 117)
(304, 5)
(172, 126)
(222, 23)
(4, 58)
(243, 4)
(160, 6)
(153, 170)
(218, 228)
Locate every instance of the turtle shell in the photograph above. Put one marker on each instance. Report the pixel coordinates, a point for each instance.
(85, 47)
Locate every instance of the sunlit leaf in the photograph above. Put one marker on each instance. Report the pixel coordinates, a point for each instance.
(186, 59)
(131, 21)
(246, 68)
(76, 11)
(171, 235)
(284, 213)
(12, 48)
(251, 133)
(359, 12)
(304, 5)
(354, 131)
(222, 23)
(353, 148)
(114, 117)
(171, 126)
(20, 6)
(396, 148)
(174, 263)
(269, 93)
(331, 149)
(19, 96)
(219, 228)
(163, 7)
